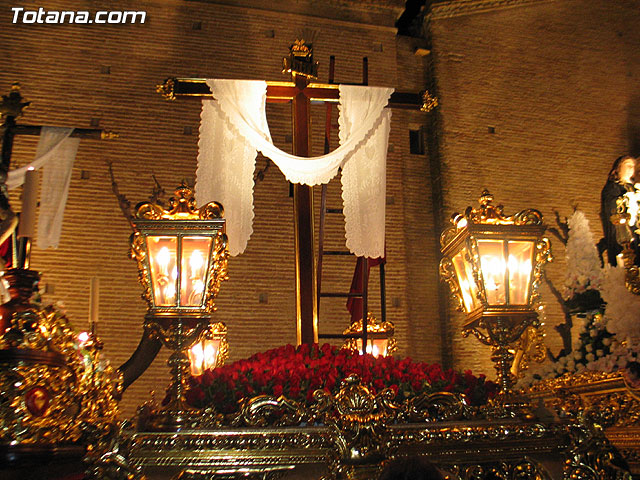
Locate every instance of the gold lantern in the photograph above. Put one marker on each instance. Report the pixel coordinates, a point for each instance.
(210, 350)
(182, 260)
(493, 265)
(380, 341)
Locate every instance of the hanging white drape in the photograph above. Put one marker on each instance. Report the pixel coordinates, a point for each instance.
(364, 178)
(51, 138)
(234, 126)
(56, 178)
(55, 153)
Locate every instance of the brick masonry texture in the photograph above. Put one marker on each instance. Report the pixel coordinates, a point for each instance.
(558, 81)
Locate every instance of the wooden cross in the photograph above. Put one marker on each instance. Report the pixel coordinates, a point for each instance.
(11, 107)
(300, 92)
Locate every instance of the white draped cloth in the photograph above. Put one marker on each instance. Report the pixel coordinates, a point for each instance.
(234, 128)
(55, 153)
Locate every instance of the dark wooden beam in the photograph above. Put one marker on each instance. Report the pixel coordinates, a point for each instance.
(281, 91)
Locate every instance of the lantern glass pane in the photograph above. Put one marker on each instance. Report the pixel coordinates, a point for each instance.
(494, 270)
(520, 265)
(376, 347)
(196, 359)
(210, 352)
(466, 281)
(195, 262)
(164, 273)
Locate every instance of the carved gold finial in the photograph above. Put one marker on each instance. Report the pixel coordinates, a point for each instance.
(108, 135)
(182, 206)
(493, 214)
(12, 104)
(429, 102)
(300, 60)
(167, 89)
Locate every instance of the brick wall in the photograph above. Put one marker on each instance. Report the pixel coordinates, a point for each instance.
(557, 81)
(76, 74)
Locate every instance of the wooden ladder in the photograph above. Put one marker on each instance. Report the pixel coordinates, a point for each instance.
(362, 262)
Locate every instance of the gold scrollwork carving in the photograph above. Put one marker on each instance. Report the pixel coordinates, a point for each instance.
(167, 89)
(53, 390)
(429, 102)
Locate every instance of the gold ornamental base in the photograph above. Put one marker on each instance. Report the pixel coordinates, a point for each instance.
(350, 435)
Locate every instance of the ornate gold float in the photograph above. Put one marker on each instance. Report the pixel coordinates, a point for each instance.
(58, 399)
(350, 434)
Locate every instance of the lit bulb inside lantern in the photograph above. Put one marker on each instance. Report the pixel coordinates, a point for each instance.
(196, 262)
(203, 355)
(466, 293)
(170, 292)
(209, 354)
(517, 267)
(162, 258)
(493, 269)
(198, 286)
(196, 355)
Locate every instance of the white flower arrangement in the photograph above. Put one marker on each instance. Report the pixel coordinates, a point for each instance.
(583, 263)
(596, 343)
(606, 343)
(623, 307)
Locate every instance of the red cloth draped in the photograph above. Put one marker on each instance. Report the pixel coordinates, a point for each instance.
(354, 304)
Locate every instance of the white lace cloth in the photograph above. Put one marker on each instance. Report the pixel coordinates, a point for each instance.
(234, 127)
(55, 153)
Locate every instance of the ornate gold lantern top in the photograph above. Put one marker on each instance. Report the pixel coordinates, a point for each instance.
(181, 253)
(493, 262)
(300, 60)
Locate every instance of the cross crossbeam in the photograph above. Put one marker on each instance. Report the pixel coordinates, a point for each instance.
(301, 92)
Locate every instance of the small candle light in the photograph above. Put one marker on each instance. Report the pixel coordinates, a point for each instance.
(27, 226)
(94, 301)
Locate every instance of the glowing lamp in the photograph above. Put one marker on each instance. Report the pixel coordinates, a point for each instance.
(182, 260)
(210, 350)
(493, 265)
(380, 341)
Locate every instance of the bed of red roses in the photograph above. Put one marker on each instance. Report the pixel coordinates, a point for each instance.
(296, 372)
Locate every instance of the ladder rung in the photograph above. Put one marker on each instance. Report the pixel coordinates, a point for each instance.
(336, 252)
(334, 210)
(338, 295)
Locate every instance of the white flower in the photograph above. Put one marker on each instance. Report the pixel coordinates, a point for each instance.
(590, 357)
(606, 341)
(577, 355)
(593, 333)
(589, 347)
(599, 353)
(583, 262)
